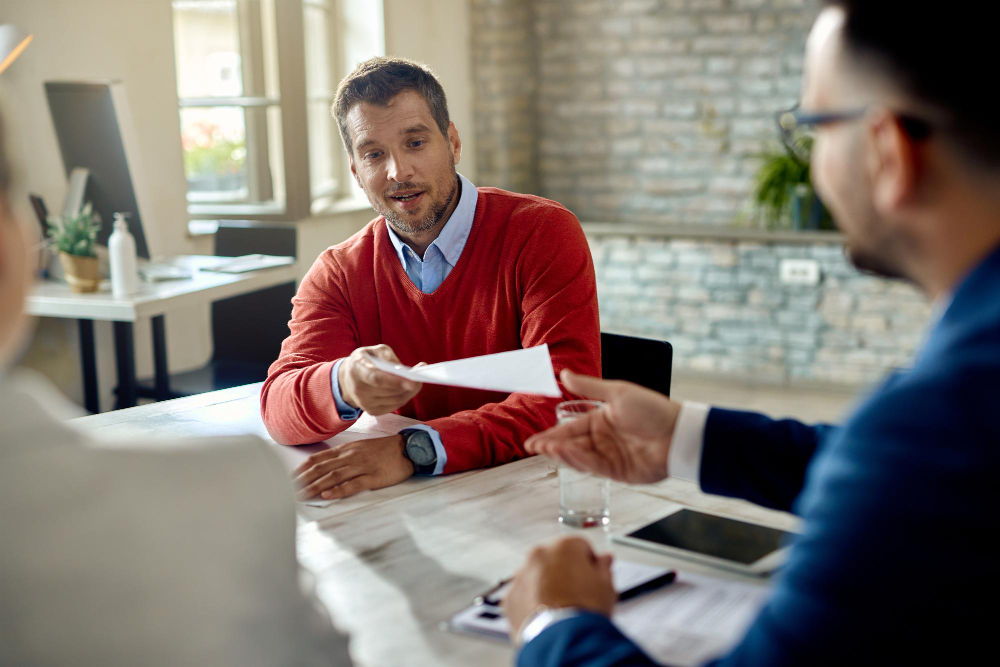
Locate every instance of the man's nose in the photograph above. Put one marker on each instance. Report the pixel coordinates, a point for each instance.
(399, 169)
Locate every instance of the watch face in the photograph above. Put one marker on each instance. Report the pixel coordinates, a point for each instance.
(420, 448)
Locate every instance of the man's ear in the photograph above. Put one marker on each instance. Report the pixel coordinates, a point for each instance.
(455, 142)
(893, 163)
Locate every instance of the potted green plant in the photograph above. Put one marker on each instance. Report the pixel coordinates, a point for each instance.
(783, 195)
(75, 238)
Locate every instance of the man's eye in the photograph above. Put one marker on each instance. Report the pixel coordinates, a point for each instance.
(374, 155)
(416, 142)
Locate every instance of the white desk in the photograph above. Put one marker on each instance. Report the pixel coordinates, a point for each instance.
(154, 300)
(393, 564)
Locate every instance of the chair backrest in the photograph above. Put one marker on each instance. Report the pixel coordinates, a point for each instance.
(644, 361)
(250, 327)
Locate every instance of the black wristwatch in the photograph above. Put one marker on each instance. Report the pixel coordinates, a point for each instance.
(419, 448)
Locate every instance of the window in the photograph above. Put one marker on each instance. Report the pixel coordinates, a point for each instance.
(255, 82)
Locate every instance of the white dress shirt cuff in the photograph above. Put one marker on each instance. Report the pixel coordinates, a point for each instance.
(684, 460)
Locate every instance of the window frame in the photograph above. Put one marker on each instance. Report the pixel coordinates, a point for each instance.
(292, 100)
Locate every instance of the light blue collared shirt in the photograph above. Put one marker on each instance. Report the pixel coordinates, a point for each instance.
(427, 274)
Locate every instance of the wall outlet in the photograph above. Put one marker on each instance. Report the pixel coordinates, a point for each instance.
(799, 272)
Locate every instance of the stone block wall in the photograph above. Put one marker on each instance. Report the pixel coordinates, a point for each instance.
(655, 112)
(635, 110)
(505, 60)
(720, 303)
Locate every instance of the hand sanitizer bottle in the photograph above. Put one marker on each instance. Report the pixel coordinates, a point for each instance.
(121, 251)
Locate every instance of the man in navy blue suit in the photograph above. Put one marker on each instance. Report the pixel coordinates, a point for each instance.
(897, 562)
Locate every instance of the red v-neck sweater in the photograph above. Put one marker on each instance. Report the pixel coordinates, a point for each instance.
(525, 277)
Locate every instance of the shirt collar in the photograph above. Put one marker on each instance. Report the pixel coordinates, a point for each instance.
(455, 232)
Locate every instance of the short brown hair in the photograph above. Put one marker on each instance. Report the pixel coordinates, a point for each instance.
(378, 80)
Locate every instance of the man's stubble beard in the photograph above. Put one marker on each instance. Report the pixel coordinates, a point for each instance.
(434, 215)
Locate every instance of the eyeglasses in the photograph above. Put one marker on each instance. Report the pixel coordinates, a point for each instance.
(798, 128)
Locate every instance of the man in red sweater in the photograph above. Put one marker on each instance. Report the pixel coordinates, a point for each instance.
(447, 271)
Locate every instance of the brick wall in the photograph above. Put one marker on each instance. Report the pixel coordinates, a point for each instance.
(653, 111)
(646, 110)
(504, 56)
(722, 306)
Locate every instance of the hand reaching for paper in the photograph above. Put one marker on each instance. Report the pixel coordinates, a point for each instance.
(366, 387)
(627, 440)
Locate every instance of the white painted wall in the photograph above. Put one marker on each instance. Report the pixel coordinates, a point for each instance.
(132, 40)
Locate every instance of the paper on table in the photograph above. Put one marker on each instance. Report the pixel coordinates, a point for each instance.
(693, 620)
(689, 622)
(527, 371)
(365, 428)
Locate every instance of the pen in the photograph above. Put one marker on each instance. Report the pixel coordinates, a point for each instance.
(664, 579)
(648, 586)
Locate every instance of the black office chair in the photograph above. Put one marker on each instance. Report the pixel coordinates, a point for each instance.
(247, 330)
(644, 361)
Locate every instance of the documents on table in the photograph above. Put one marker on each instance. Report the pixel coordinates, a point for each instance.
(526, 371)
(689, 622)
(365, 428)
(247, 263)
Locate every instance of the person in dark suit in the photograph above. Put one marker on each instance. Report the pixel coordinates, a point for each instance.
(897, 560)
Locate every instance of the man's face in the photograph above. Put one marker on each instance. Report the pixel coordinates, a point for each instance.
(842, 153)
(403, 162)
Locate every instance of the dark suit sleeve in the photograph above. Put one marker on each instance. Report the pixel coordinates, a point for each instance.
(763, 460)
(588, 639)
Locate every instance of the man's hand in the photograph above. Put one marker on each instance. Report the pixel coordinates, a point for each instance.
(369, 389)
(627, 440)
(566, 573)
(353, 467)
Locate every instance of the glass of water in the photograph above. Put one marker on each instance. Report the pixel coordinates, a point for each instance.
(584, 499)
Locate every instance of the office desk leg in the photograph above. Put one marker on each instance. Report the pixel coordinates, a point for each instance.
(125, 359)
(88, 366)
(160, 358)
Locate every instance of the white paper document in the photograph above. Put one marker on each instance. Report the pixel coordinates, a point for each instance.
(365, 428)
(693, 620)
(687, 623)
(526, 371)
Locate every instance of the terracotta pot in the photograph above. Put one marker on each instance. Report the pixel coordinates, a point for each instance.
(81, 272)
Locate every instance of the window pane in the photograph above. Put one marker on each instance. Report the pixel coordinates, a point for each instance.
(207, 48)
(317, 44)
(324, 148)
(215, 153)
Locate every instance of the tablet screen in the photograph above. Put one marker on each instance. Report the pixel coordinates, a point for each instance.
(711, 535)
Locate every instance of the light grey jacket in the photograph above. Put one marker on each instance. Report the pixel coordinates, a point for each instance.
(147, 553)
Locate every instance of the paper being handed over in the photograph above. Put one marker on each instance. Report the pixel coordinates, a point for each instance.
(526, 371)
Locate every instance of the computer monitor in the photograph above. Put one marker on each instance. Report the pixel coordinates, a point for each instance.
(95, 132)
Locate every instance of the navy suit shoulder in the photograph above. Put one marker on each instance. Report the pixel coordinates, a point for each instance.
(763, 460)
(896, 559)
(897, 556)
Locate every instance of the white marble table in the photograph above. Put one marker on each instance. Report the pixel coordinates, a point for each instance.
(153, 300)
(394, 564)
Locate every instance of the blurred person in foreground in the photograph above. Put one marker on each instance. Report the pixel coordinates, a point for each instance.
(138, 552)
(897, 561)
(446, 271)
